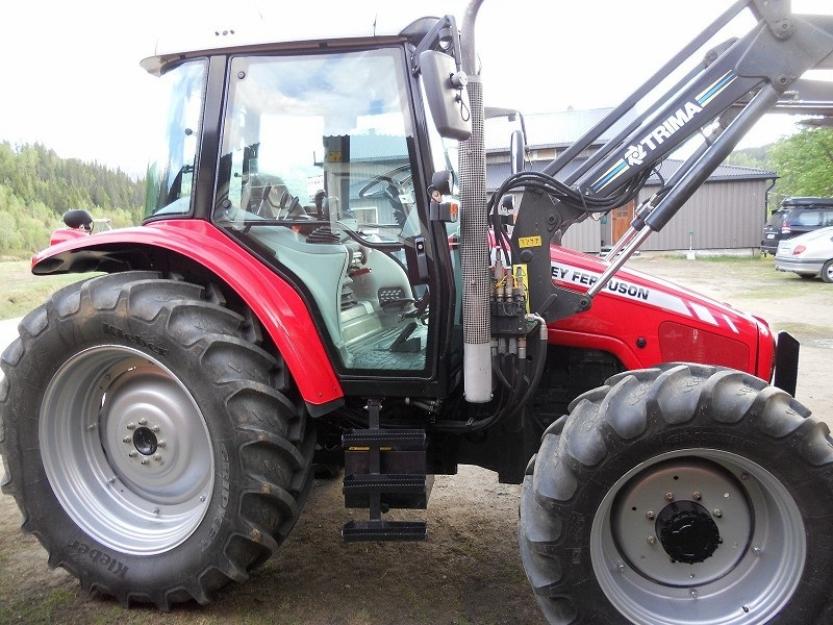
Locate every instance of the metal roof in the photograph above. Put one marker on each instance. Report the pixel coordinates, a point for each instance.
(496, 173)
(722, 173)
(553, 130)
(304, 28)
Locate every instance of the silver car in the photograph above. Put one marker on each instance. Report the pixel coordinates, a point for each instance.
(808, 255)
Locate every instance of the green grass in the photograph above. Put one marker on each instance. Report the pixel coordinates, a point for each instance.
(20, 291)
(46, 608)
(730, 258)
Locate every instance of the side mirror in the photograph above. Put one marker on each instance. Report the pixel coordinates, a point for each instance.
(442, 182)
(517, 151)
(445, 90)
(78, 218)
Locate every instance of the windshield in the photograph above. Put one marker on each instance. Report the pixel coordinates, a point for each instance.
(322, 138)
(170, 174)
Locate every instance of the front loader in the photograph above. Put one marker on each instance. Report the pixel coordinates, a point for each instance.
(321, 279)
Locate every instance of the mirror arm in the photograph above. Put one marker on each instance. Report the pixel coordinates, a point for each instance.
(432, 39)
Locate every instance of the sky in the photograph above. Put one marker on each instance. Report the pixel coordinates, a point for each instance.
(72, 80)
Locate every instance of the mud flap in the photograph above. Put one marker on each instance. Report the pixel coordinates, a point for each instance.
(786, 363)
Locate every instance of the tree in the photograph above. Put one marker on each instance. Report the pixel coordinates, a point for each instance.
(37, 187)
(805, 163)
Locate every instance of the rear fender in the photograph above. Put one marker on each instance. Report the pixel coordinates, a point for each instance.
(275, 303)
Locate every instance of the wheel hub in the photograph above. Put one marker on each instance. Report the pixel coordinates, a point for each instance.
(683, 523)
(126, 450)
(145, 441)
(700, 537)
(687, 532)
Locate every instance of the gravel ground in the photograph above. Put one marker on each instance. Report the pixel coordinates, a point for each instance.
(469, 571)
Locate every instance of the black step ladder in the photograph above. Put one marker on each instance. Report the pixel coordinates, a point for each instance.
(384, 469)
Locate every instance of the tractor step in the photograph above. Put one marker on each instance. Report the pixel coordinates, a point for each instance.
(402, 440)
(402, 531)
(395, 484)
(396, 490)
(384, 469)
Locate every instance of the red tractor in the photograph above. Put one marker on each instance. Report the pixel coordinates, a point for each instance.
(302, 294)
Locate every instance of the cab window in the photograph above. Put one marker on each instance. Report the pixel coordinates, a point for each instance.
(316, 166)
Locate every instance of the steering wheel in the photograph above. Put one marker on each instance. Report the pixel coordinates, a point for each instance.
(287, 207)
(392, 188)
(387, 186)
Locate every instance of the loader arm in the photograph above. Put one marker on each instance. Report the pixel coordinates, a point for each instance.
(722, 97)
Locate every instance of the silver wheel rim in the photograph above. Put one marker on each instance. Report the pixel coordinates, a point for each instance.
(747, 579)
(830, 272)
(126, 450)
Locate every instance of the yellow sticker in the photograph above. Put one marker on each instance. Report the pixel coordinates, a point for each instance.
(521, 276)
(524, 242)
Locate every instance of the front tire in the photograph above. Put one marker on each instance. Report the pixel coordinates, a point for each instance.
(827, 271)
(151, 442)
(681, 495)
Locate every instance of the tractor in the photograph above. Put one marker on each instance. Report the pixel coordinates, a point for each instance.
(321, 281)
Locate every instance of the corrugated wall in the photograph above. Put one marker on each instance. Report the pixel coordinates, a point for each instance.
(584, 237)
(721, 215)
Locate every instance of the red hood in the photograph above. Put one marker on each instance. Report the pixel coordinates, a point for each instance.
(661, 293)
(645, 320)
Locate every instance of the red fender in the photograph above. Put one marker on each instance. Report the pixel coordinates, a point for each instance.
(278, 307)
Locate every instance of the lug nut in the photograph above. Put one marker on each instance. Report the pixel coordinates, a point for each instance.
(697, 495)
(650, 515)
(669, 496)
(756, 551)
(155, 428)
(91, 426)
(145, 461)
(158, 458)
(131, 426)
(693, 593)
(143, 421)
(621, 568)
(162, 444)
(126, 439)
(652, 540)
(717, 512)
(132, 453)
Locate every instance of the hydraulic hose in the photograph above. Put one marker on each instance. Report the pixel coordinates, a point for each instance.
(519, 394)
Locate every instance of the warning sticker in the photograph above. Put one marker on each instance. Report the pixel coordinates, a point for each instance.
(524, 242)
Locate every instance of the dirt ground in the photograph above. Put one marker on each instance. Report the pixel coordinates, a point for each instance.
(469, 571)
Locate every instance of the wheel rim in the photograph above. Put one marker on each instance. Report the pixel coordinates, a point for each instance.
(126, 450)
(829, 272)
(679, 499)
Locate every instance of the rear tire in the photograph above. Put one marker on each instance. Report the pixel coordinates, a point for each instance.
(640, 461)
(98, 376)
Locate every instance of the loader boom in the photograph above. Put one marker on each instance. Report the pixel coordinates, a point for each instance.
(722, 97)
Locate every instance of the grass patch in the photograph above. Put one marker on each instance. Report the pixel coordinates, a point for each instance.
(730, 258)
(20, 291)
(45, 609)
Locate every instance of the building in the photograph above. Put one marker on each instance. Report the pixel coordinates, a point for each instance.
(727, 212)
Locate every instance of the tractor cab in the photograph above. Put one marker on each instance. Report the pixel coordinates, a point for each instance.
(317, 159)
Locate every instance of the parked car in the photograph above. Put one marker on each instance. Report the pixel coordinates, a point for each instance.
(808, 255)
(796, 216)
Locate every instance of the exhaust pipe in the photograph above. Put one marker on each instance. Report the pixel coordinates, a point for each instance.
(474, 231)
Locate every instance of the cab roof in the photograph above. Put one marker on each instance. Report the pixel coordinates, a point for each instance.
(306, 34)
